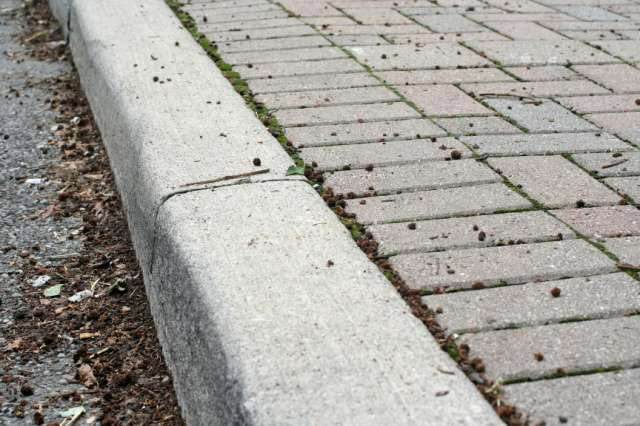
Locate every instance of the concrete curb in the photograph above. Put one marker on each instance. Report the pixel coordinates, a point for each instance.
(257, 327)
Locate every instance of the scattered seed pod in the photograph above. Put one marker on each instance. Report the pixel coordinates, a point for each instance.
(539, 356)
(411, 226)
(555, 292)
(257, 162)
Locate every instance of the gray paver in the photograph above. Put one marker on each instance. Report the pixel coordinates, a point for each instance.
(345, 114)
(358, 40)
(625, 49)
(608, 221)
(444, 76)
(316, 98)
(554, 181)
(462, 232)
(617, 77)
(501, 265)
(476, 125)
(539, 144)
(605, 103)
(442, 100)
(278, 56)
(531, 304)
(617, 164)
(540, 115)
(382, 153)
(436, 204)
(284, 69)
(602, 399)
(539, 88)
(524, 31)
(449, 23)
(377, 131)
(541, 52)
(626, 185)
(312, 82)
(574, 347)
(273, 44)
(624, 124)
(443, 55)
(551, 72)
(422, 40)
(259, 34)
(248, 24)
(412, 177)
(626, 248)
(590, 13)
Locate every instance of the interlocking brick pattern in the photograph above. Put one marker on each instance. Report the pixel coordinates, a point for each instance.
(540, 100)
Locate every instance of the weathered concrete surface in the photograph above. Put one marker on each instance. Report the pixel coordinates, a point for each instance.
(257, 326)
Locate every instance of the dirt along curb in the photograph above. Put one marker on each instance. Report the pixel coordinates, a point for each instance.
(267, 311)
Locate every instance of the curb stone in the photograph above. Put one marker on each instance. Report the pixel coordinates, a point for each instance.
(256, 325)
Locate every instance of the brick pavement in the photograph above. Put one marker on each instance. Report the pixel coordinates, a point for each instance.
(540, 101)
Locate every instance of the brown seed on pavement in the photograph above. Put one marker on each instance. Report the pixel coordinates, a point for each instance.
(257, 162)
(411, 226)
(637, 101)
(555, 292)
(330, 263)
(477, 285)
(369, 167)
(539, 356)
(26, 389)
(482, 236)
(456, 155)
(580, 204)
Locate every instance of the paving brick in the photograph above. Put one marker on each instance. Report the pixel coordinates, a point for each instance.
(345, 114)
(617, 164)
(231, 8)
(524, 31)
(554, 181)
(305, 9)
(248, 25)
(541, 144)
(421, 40)
(574, 347)
(626, 185)
(382, 153)
(609, 221)
(259, 34)
(378, 131)
(542, 18)
(600, 399)
(599, 296)
(444, 76)
(272, 44)
(521, 6)
(592, 35)
(605, 103)
(278, 56)
(541, 52)
(546, 73)
(358, 40)
(449, 23)
(376, 16)
(476, 125)
(444, 55)
(442, 100)
(462, 232)
(286, 69)
(538, 88)
(627, 249)
(567, 25)
(312, 82)
(617, 77)
(501, 265)
(626, 49)
(411, 177)
(436, 204)
(315, 98)
(540, 115)
(328, 23)
(372, 29)
(623, 124)
(215, 16)
(590, 13)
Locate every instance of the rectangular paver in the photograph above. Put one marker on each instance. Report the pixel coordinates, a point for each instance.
(617, 77)
(607, 221)
(541, 53)
(605, 103)
(358, 156)
(444, 76)
(345, 114)
(540, 115)
(411, 177)
(601, 399)
(312, 82)
(444, 55)
(573, 347)
(624, 124)
(501, 265)
(442, 100)
(538, 88)
(616, 164)
(531, 304)
(436, 204)
(278, 56)
(477, 125)
(314, 98)
(376, 131)
(554, 181)
(626, 185)
(285, 69)
(465, 232)
(626, 248)
(539, 144)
